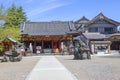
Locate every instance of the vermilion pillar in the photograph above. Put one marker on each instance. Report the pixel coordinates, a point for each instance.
(42, 46)
(52, 46)
(34, 45)
(60, 50)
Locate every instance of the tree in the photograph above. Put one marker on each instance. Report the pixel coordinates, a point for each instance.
(22, 15)
(13, 32)
(15, 16)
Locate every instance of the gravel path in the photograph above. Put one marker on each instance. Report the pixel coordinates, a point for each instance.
(98, 68)
(17, 70)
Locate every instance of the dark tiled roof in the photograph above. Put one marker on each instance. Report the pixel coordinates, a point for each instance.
(94, 35)
(101, 16)
(47, 28)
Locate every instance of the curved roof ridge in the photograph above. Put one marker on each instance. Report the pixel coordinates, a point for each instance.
(101, 16)
(81, 19)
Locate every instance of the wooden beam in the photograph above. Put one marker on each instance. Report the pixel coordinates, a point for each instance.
(47, 38)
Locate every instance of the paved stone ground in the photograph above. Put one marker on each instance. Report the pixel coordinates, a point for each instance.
(17, 70)
(98, 68)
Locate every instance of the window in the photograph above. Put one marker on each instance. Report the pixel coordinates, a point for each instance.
(93, 29)
(109, 30)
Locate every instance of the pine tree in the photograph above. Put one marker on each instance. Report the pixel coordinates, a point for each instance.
(15, 16)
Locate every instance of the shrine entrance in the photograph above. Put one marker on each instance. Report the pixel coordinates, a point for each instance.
(47, 47)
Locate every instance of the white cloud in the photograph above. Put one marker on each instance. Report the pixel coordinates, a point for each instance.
(34, 8)
(47, 6)
(43, 9)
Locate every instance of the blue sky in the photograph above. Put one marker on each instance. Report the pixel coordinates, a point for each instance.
(61, 10)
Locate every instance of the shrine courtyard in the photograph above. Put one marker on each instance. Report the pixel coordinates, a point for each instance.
(98, 68)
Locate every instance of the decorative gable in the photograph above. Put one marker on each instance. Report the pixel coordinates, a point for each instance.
(102, 19)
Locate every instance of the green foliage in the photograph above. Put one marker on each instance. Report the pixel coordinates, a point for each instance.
(15, 16)
(13, 32)
(12, 16)
(1, 49)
